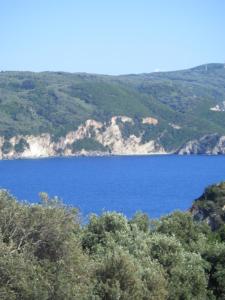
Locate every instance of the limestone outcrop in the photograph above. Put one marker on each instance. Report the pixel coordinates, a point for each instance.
(107, 134)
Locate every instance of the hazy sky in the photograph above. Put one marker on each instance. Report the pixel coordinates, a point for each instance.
(111, 37)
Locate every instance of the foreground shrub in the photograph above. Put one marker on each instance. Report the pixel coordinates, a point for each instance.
(121, 276)
(46, 253)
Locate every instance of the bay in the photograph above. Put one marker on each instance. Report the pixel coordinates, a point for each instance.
(156, 185)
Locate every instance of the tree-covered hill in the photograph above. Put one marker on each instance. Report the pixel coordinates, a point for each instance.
(47, 253)
(58, 102)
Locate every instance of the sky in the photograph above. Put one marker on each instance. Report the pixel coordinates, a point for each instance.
(110, 36)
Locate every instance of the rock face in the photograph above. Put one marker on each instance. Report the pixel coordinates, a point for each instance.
(108, 135)
(150, 120)
(210, 206)
(208, 144)
(219, 107)
(103, 138)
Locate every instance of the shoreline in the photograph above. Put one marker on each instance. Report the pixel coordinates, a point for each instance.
(104, 155)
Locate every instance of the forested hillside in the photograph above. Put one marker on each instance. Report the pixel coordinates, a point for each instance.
(188, 104)
(47, 252)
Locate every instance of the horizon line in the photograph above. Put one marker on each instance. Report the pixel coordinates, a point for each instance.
(104, 74)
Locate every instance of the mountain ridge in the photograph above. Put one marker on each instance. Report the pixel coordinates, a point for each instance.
(213, 65)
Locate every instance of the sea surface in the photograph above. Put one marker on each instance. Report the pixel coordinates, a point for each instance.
(156, 185)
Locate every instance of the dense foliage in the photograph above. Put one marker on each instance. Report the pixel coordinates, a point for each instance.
(57, 102)
(88, 144)
(47, 253)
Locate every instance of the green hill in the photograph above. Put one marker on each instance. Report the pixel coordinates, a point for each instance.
(58, 102)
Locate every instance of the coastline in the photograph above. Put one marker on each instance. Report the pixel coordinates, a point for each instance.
(84, 155)
(106, 155)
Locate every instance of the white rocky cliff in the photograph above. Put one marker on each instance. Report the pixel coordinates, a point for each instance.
(212, 144)
(106, 135)
(106, 139)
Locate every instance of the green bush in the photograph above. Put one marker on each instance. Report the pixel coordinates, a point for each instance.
(7, 147)
(21, 146)
(88, 144)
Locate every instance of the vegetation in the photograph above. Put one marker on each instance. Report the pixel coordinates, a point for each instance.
(21, 145)
(211, 206)
(57, 102)
(88, 144)
(47, 253)
(7, 147)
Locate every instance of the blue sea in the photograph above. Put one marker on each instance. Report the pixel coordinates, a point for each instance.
(157, 185)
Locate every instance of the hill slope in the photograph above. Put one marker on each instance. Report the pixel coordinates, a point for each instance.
(187, 105)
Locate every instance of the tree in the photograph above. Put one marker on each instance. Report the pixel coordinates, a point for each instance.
(192, 235)
(142, 221)
(42, 257)
(185, 270)
(121, 276)
(215, 256)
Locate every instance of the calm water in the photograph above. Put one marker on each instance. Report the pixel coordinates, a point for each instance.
(156, 184)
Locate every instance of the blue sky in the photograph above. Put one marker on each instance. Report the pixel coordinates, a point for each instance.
(110, 37)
